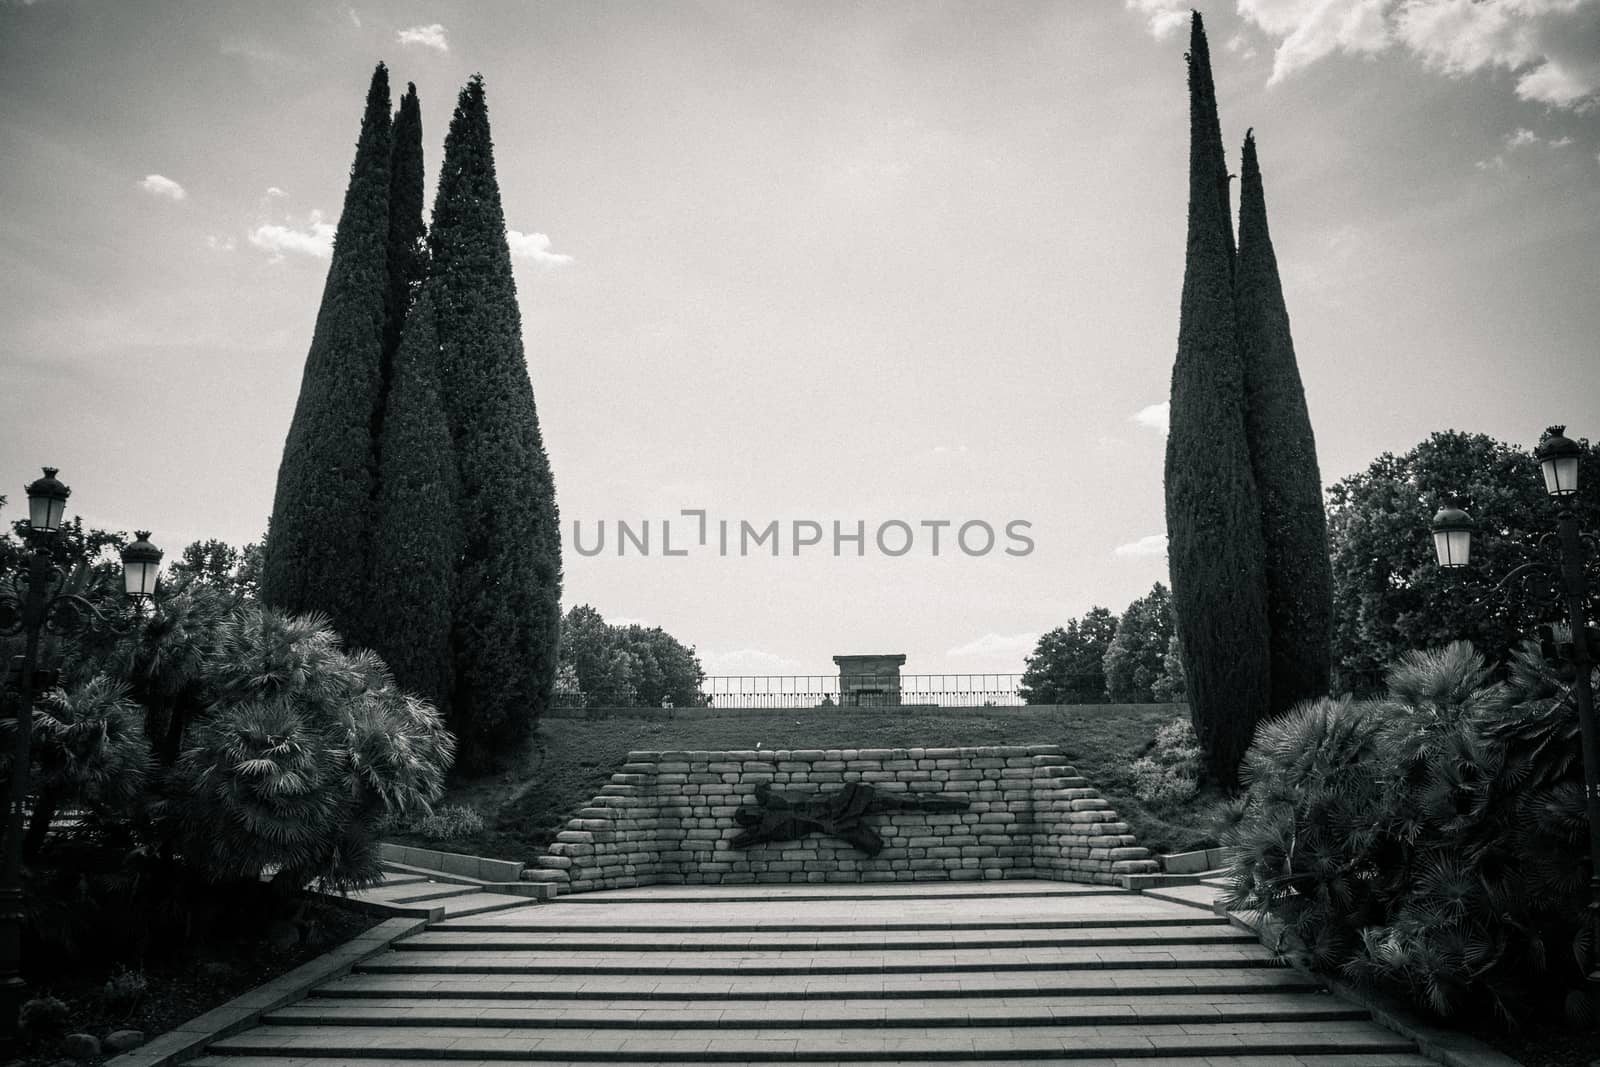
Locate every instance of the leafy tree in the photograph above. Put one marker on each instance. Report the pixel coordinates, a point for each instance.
(1135, 659)
(1215, 545)
(414, 548)
(219, 565)
(508, 583)
(408, 234)
(1283, 455)
(621, 666)
(1067, 665)
(322, 512)
(1169, 687)
(1390, 596)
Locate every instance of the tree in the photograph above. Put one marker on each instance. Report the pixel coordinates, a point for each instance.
(414, 548)
(1390, 596)
(219, 565)
(1169, 687)
(507, 609)
(1215, 548)
(316, 559)
(1134, 659)
(621, 666)
(1067, 663)
(1283, 457)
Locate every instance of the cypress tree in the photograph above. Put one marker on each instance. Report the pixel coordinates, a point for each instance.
(322, 509)
(408, 235)
(414, 547)
(1214, 534)
(508, 584)
(1283, 455)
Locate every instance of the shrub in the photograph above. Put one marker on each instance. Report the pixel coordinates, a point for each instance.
(1169, 774)
(124, 989)
(449, 823)
(1431, 842)
(42, 1017)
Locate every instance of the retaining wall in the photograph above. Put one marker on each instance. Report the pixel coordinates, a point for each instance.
(667, 817)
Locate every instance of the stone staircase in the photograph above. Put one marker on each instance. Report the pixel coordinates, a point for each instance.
(435, 893)
(949, 972)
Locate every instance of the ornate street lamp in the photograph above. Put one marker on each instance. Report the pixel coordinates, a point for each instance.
(1554, 582)
(45, 605)
(1452, 533)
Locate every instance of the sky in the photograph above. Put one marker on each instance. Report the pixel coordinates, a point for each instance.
(911, 262)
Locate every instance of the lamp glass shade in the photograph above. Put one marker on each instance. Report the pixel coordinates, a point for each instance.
(1453, 547)
(1560, 475)
(47, 502)
(141, 566)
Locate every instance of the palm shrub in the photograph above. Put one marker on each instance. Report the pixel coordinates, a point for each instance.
(305, 748)
(1431, 842)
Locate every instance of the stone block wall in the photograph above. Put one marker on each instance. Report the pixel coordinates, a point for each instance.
(667, 818)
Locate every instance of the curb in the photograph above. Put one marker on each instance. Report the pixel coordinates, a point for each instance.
(1449, 1047)
(190, 1039)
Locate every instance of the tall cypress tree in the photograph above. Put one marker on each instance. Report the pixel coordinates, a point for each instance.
(414, 548)
(412, 570)
(408, 234)
(1283, 455)
(322, 510)
(508, 584)
(1215, 548)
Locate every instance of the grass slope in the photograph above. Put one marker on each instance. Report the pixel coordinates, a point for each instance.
(568, 761)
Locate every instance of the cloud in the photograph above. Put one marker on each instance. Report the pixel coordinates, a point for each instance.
(534, 248)
(1145, 547)
(431, 36)
(1165, 18)
(157, 185)
(950, 450)
(220, 244)
(1551, 47)
(992, 644)
(1561, 142)
(1154, 417)
(316, 239)
(355, 19)
(273, 190)
(748, 661)
(1308, 30)
(1520, 137)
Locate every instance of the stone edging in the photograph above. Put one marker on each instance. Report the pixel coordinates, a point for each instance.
(190, 1039)
(1445, 1046)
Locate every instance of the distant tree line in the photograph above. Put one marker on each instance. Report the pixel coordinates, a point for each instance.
(1102, 658)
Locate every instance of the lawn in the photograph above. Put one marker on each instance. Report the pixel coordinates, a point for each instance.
(570, 759)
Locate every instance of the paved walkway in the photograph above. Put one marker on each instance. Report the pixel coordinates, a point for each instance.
(933, 972)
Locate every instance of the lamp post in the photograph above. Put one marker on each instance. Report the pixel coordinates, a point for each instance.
(1452, 534)
(45, 604)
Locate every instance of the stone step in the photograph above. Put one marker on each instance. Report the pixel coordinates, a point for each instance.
(534, 940)
(1202, 896)
(1389, 1059)
(413, 892)
(627, 1045)
(820, 962)
(768, 894)
(478, 902)
(1209, 981)
(554, 919)
(784, 1014)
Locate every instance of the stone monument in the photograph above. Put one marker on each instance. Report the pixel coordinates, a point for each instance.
(869, 681)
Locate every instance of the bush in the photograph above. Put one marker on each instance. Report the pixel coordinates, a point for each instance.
(42, 1017)
(449, 823)
(124, 989)
(1432, 842)
(1169, 774)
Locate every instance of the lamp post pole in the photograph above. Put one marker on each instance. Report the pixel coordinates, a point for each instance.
(12, 987)
(30, 614)
(1573, 584)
